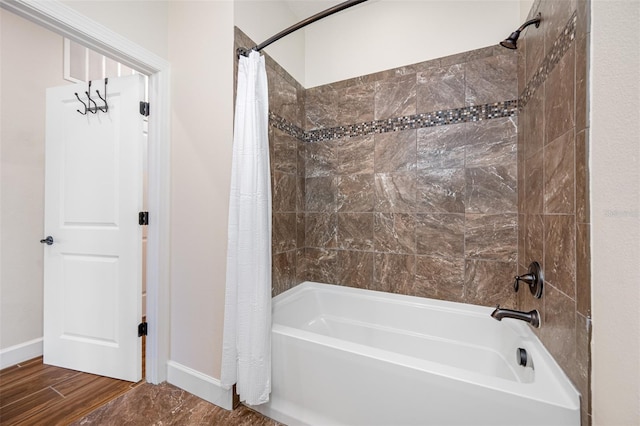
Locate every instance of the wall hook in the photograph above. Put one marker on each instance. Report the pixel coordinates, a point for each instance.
(93, 109)
(106, 107)
(83, 104)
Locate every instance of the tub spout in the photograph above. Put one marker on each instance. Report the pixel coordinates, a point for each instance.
(532, 317)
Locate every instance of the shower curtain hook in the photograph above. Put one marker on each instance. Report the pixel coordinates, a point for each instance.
(83, 104)
(106, 107)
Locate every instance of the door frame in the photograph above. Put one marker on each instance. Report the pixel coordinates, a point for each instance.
(68, 22)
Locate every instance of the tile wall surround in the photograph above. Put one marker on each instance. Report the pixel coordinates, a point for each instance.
(446, 178)
(553, 199)
(558, 49)
(410, 179)
(402, 181)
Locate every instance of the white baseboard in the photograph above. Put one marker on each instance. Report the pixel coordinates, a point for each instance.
(21, 352)
(199, 384)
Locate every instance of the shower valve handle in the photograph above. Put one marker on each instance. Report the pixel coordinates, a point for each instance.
(527, 278)
(534, 279)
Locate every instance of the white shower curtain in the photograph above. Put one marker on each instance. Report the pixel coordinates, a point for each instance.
(246, 356)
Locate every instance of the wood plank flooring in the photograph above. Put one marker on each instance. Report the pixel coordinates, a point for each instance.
(32, 393)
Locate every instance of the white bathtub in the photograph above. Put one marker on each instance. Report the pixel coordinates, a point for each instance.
(344, 356)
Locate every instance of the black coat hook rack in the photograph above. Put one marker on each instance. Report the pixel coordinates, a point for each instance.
(83, 104)
(106, 107)
(91, 105)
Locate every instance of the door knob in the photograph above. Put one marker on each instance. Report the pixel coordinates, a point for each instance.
(48, 241)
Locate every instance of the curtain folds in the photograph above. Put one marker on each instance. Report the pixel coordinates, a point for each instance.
(246, 356)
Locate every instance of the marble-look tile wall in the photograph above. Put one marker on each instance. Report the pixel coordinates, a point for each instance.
(365, 197)
(286, 101)
(553, 208)
(428, 211)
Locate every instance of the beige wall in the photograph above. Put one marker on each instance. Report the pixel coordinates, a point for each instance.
(143, 22)
(615, 190)
(525, 7)
(385, 34)
(31, 62)
(373, 36)
(200, 51)
(263, 19)
(198, 39)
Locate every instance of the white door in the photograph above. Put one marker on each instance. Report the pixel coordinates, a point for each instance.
(93, 193)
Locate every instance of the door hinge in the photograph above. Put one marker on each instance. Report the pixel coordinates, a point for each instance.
(142, 329)
(144, 108)
(143, 218)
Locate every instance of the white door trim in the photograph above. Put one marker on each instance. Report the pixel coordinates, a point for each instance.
(56, 16)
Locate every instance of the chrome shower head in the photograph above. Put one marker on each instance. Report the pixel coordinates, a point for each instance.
(511, 42)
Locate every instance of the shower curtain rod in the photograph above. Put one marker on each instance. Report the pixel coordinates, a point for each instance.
(310, 20)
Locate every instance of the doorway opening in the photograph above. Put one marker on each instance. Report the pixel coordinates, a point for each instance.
(65, 21)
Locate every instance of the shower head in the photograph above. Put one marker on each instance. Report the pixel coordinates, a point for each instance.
(511, 42)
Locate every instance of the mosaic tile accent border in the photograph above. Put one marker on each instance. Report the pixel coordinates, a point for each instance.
(416, 121)
(287, 127)
(559, 48)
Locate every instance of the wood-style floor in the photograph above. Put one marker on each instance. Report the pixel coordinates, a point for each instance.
(32, 393)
